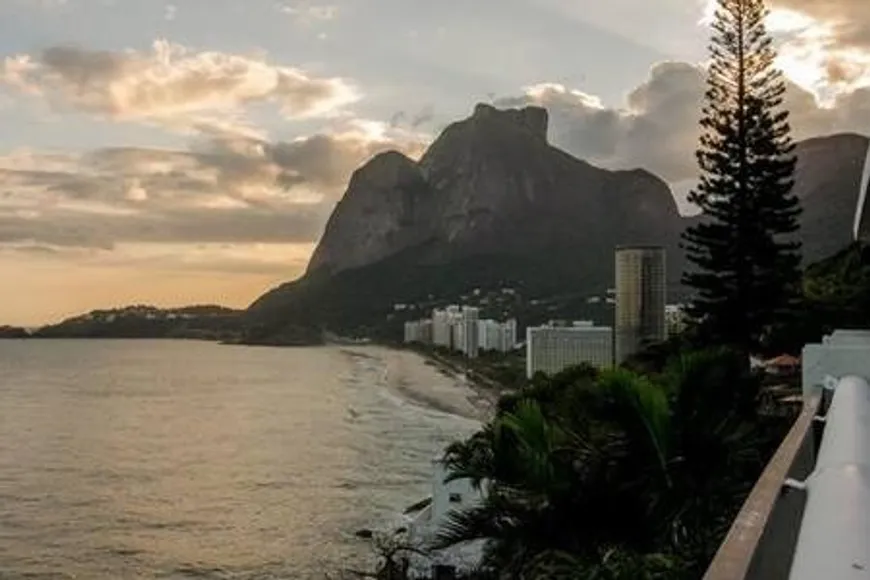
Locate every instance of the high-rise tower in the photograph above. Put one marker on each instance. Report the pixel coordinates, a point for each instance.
(641, 289)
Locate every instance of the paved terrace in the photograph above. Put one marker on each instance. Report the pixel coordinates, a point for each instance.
(808, 516)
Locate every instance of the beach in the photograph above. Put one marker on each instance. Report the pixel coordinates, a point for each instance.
(428, 383)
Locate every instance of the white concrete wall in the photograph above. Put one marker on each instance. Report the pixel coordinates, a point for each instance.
(442, 491)
(840, 354)
(426, 526)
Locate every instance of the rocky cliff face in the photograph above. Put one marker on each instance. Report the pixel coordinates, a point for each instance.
(827, 181)
(385, 210)
(492, 184)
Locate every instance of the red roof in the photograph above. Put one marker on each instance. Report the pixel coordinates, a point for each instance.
(783, 360)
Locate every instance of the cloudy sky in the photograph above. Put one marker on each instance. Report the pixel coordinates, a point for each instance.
(190, 152)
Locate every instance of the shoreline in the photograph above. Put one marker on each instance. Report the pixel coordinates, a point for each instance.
(429, 382)
(425, 379)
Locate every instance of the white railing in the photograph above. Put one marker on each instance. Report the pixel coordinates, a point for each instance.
(808, 515)
(834, 539)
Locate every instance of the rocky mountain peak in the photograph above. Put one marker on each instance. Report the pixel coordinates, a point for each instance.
(379, 214)
(476, 187)
(535, 120)
(489, 140)
(384, 168)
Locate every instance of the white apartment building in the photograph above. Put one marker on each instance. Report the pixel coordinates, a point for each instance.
(412, 331)
(418, 331)
(457, 336)
(497, 336)
(551, 349)
(456, 328)
(442, 328)
(460, 328)
(469, 344)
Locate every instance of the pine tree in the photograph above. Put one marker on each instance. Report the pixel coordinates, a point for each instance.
(747, 262)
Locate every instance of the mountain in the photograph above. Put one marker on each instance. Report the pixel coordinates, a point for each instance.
(492, 207)
(827, 183)
(491, 184)
(490, 204)
(828, 177)
(7, 332)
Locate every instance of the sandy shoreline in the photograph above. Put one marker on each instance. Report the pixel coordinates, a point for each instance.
(425, 382)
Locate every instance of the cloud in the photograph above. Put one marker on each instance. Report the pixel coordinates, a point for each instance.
(821, 51)
(223, 190)
(848, 20)
(657, 127)
(307, 13)
(824, 45)
(171, 85)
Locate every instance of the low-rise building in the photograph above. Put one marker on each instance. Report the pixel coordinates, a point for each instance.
(675, 319)
(555, 347)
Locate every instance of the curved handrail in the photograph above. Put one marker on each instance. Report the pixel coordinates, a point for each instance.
(735, 555)
(834, 539)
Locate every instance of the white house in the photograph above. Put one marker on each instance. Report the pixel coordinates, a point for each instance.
(446, 497)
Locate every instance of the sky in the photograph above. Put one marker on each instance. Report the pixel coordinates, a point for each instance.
(191, 151)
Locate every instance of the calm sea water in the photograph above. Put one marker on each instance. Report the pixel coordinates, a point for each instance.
(149, 459)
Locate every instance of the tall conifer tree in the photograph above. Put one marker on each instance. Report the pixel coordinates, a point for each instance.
(746, 261)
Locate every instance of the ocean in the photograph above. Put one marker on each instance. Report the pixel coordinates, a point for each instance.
(184, 459)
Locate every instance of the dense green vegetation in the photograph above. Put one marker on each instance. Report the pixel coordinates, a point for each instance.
(745, 255)
(13, 332)
(499, 371)
(615, 474)
(196, 322)
(279, 335)
(835, 294)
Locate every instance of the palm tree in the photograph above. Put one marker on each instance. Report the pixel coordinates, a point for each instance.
(721, 445)
(607, 564)
(526, 471)
(617, 473)
(548, 476)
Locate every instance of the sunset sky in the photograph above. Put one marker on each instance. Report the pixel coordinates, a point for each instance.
(190, 152)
